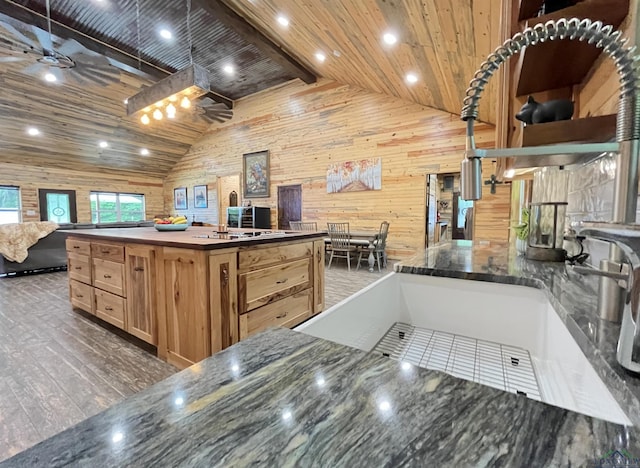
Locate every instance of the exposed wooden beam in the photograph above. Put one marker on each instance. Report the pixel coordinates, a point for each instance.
(123, 60)
(227, 16)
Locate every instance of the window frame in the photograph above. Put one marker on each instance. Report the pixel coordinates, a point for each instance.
(18, 210)
(118, 210)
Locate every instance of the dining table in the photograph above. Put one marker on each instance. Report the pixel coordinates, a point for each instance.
(366, 239)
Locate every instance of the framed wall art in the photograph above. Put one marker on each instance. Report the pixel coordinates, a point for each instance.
(180, 198)
(200, 196)
(355, 176)
(255, 170)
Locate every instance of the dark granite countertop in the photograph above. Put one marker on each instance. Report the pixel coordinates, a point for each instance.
(283, 398)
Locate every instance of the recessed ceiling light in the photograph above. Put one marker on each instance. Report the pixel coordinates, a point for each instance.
(50, 77)
(411, 78)
(33, 131)
(320, 57)
(103, 144)
(126, 101)
(166, 34)
(389, 38)
(284, 21)
(228, 69)
(144, 152)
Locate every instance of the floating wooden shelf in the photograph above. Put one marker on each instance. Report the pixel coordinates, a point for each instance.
(558, 64)
(586, 130)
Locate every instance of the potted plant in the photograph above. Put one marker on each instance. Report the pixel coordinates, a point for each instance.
(522, 230)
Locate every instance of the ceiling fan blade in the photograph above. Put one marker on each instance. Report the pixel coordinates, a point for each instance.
(35, 69)
(43, 37)
(12, 59)
(70, 47)
(19, 36)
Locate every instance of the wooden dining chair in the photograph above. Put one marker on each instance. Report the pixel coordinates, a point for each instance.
(379, 246)
(341, 246)
(295, 225)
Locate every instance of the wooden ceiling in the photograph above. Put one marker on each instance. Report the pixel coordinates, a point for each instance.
(441, 41)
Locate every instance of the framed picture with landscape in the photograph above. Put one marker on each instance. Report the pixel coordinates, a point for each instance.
(255, 169)
(180, 198)
(200, 196)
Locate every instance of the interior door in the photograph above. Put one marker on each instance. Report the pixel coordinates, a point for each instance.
(58, 206)
(432, 209)
(289, 205)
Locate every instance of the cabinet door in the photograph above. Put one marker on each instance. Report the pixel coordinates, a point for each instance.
(223, 297)
(187, 306)
(141, 299)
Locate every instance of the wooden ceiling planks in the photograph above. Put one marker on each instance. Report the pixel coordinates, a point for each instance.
(442, 41)
(72, 120)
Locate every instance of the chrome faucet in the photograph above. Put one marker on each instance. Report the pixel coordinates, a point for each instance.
(626, 147)
(627, 238)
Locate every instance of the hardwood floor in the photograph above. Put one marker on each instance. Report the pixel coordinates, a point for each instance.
(59, 367)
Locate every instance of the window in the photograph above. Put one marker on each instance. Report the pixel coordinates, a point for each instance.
(113, 207)
(9, 204)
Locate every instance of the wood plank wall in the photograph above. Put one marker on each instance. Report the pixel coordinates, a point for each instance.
(598, 94)
(307, 127)
(32, 178)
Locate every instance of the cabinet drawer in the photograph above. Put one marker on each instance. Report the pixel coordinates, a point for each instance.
(78, 246)
(111, 252)
(109, 276)
(79, 267)
(261, 287)
(81, 295)
(260, 257)
(287, 312)
(110, 308)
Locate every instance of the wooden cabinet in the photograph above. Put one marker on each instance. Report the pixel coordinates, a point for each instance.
(191, 303)
(186, 302)
(140, 275)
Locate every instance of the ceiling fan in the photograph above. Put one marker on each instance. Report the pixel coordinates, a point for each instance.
(45, 54)
(213, 111)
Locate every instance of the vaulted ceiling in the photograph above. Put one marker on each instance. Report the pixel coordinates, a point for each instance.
(117, 51)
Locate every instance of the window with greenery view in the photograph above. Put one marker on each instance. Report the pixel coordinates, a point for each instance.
(9, 205)
(113, 207)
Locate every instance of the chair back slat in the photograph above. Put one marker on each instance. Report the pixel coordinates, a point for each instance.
(303, 225)
(382, 236)
(339, 235)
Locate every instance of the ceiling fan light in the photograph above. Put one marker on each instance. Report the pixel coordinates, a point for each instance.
(157, 114)
(50, 77)
(145, 119)
(185, 103)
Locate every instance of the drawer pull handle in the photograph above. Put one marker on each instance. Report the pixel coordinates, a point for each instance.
(76, 246)
(281, 315)
(282, 281)
(138, 269)
(79, 268)
(108, 308)
(107, 276)
(79, 296)
(105, 251)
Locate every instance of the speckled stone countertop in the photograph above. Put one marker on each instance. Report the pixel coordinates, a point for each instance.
(283, 398)
(572, 295)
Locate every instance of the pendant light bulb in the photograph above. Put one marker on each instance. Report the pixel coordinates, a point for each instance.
(171, 111)
(185, 103)
(145, 119)
(157, 114)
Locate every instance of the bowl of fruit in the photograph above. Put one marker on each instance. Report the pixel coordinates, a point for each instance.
(177, 223)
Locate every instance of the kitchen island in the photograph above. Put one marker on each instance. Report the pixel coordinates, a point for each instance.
(283, 398)
(192, 293)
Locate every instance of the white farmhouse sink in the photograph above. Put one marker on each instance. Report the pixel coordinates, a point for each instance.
(515, 316)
